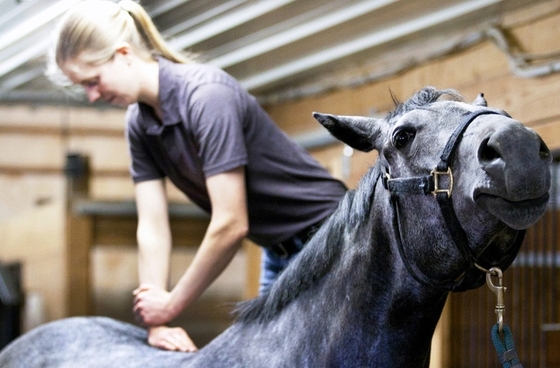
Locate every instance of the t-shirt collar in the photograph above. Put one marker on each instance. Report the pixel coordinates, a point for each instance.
(167, 98)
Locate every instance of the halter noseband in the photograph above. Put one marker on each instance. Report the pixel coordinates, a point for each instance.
(433, 183)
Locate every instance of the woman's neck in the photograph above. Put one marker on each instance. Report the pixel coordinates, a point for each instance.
(149, 90)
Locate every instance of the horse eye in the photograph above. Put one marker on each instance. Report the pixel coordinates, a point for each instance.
(403, 137)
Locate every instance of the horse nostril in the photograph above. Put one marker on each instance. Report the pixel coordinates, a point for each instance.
(487, 153)
(544, 152)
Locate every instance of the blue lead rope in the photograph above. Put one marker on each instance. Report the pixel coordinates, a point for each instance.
(507, 355)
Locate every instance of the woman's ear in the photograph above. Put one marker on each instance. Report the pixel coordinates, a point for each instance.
(124, 49)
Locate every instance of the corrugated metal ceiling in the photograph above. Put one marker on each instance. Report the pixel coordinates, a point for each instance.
(269, 45)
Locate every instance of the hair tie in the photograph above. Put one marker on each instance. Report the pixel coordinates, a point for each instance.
(123, 5)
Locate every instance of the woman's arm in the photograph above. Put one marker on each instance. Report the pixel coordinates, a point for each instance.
(228, 226)
(153, 233)
(154, 250)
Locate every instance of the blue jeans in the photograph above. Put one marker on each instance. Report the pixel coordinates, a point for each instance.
(272, 265)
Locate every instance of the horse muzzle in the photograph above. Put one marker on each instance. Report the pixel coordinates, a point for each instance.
(516, 214)
(516, 162)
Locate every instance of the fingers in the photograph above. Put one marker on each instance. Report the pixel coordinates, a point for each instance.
(173, 346)
(152, 306)
(171, 338)
(139, 319)
(145, 315)
(181, 341)
(137, 308)
(142, 287)
(137, 297)
(137, 311)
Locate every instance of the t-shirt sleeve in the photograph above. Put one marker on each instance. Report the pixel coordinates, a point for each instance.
(142, 164)
(218, 116)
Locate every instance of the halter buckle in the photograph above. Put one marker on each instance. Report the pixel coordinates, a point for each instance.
(437, 174)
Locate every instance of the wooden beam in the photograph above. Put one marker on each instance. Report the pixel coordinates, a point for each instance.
(78, 239)
(58, 170)
(116, 230)
(60, 131)
(253, 266)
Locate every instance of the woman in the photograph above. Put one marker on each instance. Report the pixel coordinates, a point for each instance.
(194, 124)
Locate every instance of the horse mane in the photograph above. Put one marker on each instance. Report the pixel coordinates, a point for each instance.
(318, 256)
(421, 99)
(325, 247)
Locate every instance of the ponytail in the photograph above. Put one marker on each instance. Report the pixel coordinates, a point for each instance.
(150, 34)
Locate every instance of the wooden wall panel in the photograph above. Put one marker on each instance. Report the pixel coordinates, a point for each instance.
(550, 133)
(529, 36)
(61, 117)
(531, 101)
(106, 153)
(23, 192)
(112, 187)
(36, 238)
(31, 116)
(107, 119)
(20, 150)
(34, 142)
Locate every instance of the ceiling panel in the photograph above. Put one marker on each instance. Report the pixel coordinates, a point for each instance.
(269, 45)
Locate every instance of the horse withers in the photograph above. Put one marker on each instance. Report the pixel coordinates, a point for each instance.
(453, 189)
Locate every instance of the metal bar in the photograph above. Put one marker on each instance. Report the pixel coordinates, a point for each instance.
(297, 33)
(362, 43)
(128, 208)
(550, 327)
(226, 23)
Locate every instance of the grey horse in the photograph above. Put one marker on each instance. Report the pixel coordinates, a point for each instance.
(452, 191)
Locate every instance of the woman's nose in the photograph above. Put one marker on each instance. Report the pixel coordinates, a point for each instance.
(92, 94)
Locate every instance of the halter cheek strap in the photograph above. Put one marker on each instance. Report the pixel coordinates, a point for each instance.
(440, 175)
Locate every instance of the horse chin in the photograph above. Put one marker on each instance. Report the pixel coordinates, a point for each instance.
(474, 278)
(500, 252)
(518, 215)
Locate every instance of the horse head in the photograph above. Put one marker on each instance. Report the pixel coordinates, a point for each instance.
(466, 178)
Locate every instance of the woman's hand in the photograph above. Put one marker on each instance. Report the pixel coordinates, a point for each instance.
(170, 338)
(152, 306)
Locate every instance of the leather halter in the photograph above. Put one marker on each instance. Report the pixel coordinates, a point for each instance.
(432, 183)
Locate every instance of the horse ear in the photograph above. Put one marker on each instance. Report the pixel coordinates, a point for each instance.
(355, 131)
(480, 100)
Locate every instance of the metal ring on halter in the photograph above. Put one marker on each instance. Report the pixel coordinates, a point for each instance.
(494, 271)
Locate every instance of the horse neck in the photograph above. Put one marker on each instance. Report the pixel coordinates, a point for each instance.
(377, 279)
(381, 312)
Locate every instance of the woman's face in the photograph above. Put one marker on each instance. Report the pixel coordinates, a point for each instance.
(112, 81)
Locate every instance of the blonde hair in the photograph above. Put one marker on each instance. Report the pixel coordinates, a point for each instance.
(92, 29)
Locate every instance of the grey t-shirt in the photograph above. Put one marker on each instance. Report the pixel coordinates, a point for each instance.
(212, 125)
